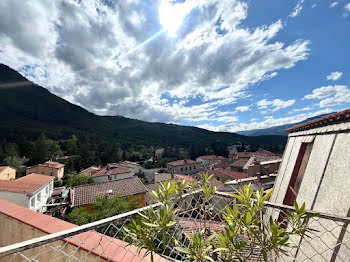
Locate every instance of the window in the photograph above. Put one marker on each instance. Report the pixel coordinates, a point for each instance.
(190, 168)
(47, 189)
(182, 169)
(51, 185)
(39, 197)
(32, 202)
(51, 173)
(297, 176)
(185, 168)
(298, 173)
(194, 167)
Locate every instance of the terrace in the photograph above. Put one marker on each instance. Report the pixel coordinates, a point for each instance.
(107, 239)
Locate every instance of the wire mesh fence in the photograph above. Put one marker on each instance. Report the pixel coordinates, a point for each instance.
(109, 239)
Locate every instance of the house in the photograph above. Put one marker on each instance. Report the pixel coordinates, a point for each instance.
(315, 170)
(31, 191)
(7, 173)
(184, 167)
(111, 173)
(161, 177)
(224, 175)
(254, 166)
(246, 155)
(238, 165)
(132, 166)
(210, 160)
(49, 168)
(90, 170)
(158, 153)
(128, 187)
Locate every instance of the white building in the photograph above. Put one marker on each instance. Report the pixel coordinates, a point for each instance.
(315, 169)
(132, 166)
(110, 173)
(184, 167)
(31, 191)
(210, 160)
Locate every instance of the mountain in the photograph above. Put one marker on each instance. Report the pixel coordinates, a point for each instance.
(27, 110)
(276, 130)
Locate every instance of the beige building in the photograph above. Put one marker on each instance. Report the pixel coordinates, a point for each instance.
(210, 160)
(184, 167)
(315, 170)
(7, 173)
(49, 168)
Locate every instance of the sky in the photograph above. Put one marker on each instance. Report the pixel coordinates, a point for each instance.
(223, 65)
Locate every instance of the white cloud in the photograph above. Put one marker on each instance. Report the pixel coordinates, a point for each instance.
(267, 122)
(242, 108)
(334, 75)
(274, 105)
(314, 5)
(347, 7)
(94, 54)
(298, 110)
(334, 4)
(297, 9)
(331, 95)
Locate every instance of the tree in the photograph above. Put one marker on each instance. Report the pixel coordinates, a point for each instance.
(45, 149)
(78, 179)
(11, 161)
(102, 207)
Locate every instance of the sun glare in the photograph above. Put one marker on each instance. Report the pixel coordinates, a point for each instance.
(171, 15)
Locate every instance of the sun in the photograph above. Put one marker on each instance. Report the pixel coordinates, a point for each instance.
(171, 15)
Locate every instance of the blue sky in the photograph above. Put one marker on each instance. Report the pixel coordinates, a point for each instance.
(224, 65)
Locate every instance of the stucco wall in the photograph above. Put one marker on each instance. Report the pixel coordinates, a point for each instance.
(14, 231)
(160, 177)
(24, 199)
(324, 188)
(8, 173)
(17, 198)
(42, 170)
(185, 169)
(102, 179)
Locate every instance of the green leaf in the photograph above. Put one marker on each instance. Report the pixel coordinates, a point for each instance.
(183, 250)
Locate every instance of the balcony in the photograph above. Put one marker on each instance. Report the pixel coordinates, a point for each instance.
(108, 239)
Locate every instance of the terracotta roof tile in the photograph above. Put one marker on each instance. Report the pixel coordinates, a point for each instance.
(226, 174)
(212, 157)
(183, 162)
(260, 153)
(184, 177)
(83, 195)
(105, 247)
(53, 164)
(113, 171)
(27, 184)
(339, 117)
(239, 163)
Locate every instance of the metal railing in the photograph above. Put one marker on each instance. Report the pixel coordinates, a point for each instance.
(107, 240)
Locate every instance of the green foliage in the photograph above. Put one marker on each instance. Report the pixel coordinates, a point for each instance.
(28, 111)
(45, 149)
(102, 207)
(153, 230)
(200, 247)
(78, 179)
(11, 161)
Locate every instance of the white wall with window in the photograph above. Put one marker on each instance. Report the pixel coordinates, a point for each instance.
(38, 199)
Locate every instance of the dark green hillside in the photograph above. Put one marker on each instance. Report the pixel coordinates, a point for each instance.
(27, 110)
